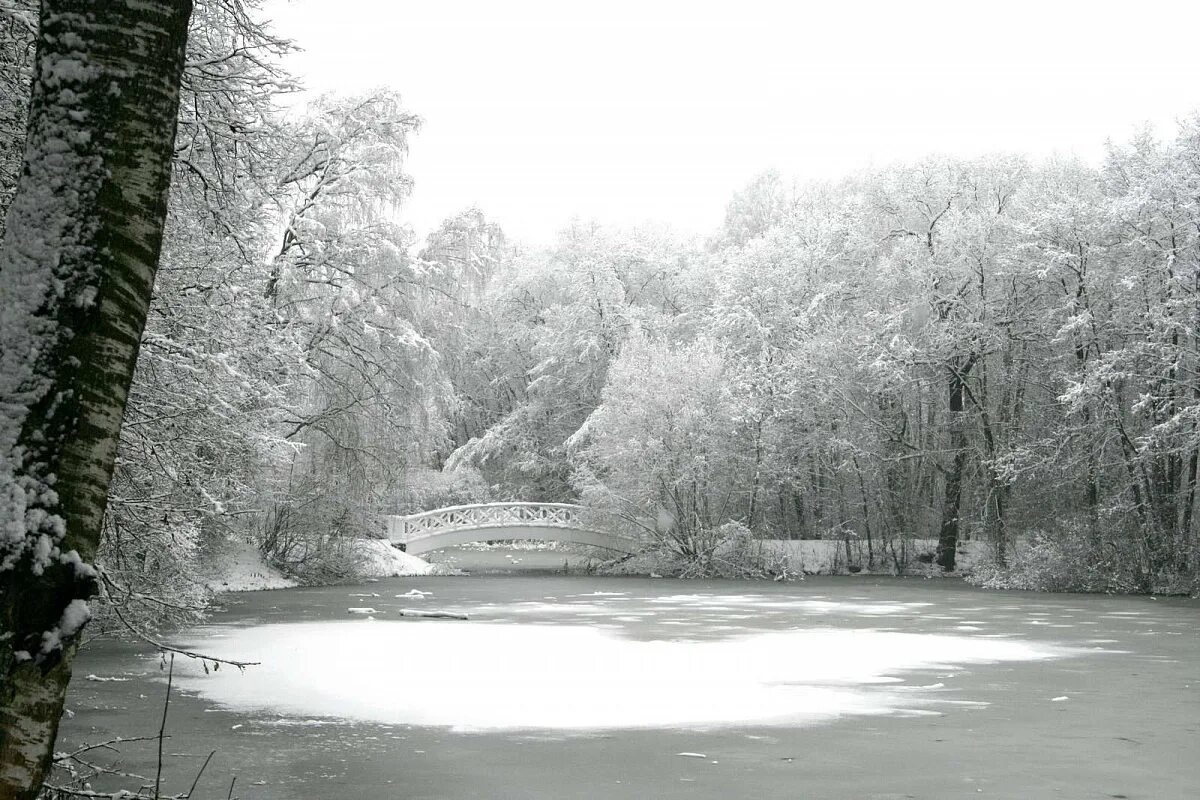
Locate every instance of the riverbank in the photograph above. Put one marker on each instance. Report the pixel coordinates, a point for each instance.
(240, 567)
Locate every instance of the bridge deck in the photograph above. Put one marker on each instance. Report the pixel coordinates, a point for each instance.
(551, 522)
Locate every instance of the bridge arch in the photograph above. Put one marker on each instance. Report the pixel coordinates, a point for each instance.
(547, 522)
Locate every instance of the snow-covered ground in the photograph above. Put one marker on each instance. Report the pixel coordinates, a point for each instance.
(239, 567)
(380, 560)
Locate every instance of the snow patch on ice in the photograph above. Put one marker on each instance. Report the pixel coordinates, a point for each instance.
(575, 677)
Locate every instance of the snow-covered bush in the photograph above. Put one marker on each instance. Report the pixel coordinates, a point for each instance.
(735, 553)
(1068, 559)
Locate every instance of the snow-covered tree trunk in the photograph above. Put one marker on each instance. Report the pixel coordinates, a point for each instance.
(77, 267)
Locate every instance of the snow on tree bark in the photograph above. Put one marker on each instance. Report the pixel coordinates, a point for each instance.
(77, 267)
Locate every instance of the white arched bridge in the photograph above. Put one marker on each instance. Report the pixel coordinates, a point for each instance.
(547, 522)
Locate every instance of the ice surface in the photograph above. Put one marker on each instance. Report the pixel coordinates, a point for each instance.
(489, 676)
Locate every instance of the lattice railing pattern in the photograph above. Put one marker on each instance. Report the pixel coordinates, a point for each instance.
(490, 515)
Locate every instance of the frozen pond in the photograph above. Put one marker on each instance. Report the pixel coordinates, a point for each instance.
(515, 675)
(632, 688)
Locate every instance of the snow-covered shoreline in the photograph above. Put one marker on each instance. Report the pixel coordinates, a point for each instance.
(240, 567)
(381, 560)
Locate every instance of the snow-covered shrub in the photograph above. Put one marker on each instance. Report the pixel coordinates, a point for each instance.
(741, 554)
(1068, 559)
(310, 534)
(735, 552)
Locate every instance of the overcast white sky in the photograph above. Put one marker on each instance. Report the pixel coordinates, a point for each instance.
(624, 111)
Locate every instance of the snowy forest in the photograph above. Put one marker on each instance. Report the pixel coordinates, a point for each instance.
(999, 350)
(221, 336)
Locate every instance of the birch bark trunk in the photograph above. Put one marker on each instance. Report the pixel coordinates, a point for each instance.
(77, 266)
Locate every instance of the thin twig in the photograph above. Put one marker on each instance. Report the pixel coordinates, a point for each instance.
(201, 772)
(66, 790)
(162, 728)
(108, 745)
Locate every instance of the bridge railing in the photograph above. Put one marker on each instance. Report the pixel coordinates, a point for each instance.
(486, 515)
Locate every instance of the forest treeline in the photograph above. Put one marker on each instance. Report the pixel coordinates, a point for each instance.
(991, 349)
(988, 348)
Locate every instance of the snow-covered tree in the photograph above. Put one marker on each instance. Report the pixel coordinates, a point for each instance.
(81, 245)
(203, 427)
(662, 450)
(557, 320)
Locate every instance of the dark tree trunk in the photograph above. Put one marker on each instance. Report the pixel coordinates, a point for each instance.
(752, 509)
(1091, 493)
(81, 246)
(866, 512)
(947, 549)
(802, 525)
(1189, 511)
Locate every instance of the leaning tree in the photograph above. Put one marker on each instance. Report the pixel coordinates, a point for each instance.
(80, 249)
